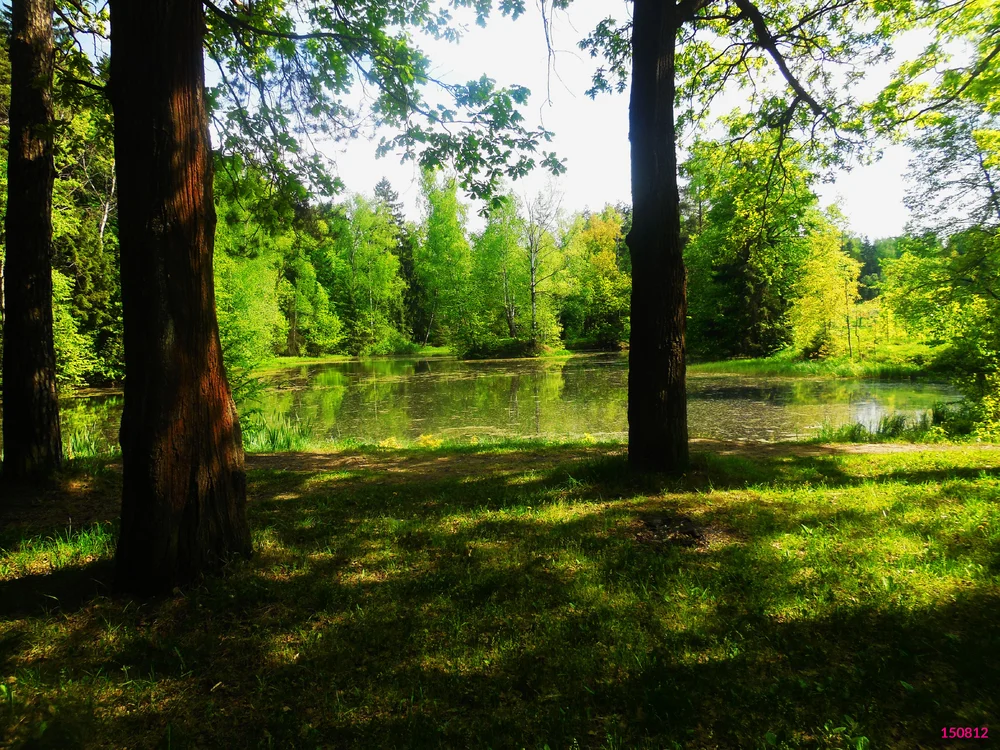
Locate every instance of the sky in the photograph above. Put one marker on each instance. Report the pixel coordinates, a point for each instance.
(592, 135)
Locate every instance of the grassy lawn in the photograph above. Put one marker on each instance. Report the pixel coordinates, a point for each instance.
(527, 596)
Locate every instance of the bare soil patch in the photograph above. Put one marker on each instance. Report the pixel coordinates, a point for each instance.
(750, 449)
(400, 466)
(68, 501)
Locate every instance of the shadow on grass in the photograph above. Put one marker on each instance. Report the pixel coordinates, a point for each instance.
(62, 591)
(490, 606)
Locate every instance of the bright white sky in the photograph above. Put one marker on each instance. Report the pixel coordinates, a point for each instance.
(592, 135)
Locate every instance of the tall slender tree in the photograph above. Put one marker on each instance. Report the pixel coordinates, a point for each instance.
(184, 492)
(541, 250)
(657, 402)
(683, 54)
(32, 442)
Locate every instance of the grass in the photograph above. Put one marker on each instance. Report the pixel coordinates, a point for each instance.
(261, 435)
(62, 549)
(87, 442)
(892, 362)
(435, 351)
(264, 434)
(947, 422)
(889, 428)
(518, 596)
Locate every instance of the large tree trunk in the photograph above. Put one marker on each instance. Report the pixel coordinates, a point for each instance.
(31, 439)
(184, 495)
(657, 403)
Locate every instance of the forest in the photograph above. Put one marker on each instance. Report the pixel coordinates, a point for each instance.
(286, 464)
(766, 276)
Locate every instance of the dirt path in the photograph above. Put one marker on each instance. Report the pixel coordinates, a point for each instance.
(752, 449)
(400, 462)
(403, 465)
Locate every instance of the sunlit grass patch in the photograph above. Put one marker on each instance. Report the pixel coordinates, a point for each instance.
(68, 548)
(82, 443)
(545, 596)
(263, 435)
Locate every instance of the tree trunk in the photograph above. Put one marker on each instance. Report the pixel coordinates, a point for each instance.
(32, 441)
(657, 402)
(532, 288)
(430, 323)
(184, 488)
(508, 307)
(847, 318)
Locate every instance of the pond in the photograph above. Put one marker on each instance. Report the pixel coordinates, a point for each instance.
(401, 398)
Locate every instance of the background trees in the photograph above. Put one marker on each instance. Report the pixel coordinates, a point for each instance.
(595, 310)
(500, 273)
(748, 245)
(443, 264)
(826, 294)
(371, 284)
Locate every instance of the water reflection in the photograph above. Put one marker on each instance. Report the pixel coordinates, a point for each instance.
(400, 398)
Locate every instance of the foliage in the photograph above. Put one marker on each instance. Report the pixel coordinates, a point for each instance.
(955, 170)
(545, 262)
(251, 325)
(959, 65)
(949, 292)
(944, 284)
(596, 307)
(370, 287)
(746, 255)
(287, 69)
(414, 317)
(443, 264)
(826, 295)
(500, 274)
(75, 362)
(796, 63)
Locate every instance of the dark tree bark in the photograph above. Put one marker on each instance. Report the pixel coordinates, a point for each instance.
(184, 496)
(657, 403)
(31, 439)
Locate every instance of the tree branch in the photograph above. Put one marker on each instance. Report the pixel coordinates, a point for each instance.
(686, 10)
(815, 13)
(973, 75)
(66, 75)
(235, 21)
(768, 43)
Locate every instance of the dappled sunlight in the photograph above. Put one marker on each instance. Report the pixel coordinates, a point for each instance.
(68, 548)
(556, 602)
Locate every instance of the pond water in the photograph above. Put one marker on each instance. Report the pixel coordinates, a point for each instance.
(401, 398)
